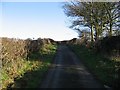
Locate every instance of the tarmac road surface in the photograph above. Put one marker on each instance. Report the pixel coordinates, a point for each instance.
(67, 71)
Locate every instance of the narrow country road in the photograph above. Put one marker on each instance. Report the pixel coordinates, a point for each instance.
(68, 72)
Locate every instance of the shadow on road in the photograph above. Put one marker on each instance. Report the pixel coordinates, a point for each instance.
(68, 72)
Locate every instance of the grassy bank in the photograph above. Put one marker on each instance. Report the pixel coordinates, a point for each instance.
(103, 68)
(28, 73)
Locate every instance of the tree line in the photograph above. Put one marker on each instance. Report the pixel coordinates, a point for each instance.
(102, 18)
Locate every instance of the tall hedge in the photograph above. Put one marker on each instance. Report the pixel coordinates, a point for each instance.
(109, 45)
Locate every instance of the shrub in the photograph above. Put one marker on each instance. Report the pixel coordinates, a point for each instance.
(109, 45)
(15, 57)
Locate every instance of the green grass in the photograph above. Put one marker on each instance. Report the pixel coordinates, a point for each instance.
(22, 73)
(103, 68)
(32, 78)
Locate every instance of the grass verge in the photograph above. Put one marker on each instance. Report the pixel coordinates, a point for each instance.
(103, 68)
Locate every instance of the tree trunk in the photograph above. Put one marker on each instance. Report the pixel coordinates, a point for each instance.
(92, 39)
(110, 32)
(96, 33)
